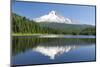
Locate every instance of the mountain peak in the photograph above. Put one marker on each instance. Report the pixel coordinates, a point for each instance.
(53, 12)
(53, 16)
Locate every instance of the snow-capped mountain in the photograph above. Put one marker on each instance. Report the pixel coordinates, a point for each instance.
(53, 17)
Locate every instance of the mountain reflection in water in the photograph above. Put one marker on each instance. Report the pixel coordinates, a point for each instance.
(48, 47)
(53, 51)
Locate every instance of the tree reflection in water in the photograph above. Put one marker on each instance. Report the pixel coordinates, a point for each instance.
(48, 46)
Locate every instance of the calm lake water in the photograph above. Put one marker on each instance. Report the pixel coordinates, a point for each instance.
(34, 50)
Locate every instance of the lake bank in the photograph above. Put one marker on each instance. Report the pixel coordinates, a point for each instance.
(55, 35)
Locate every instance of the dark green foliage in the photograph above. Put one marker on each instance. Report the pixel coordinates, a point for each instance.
(73, 29)
(24, 25)
(64, 26)
(88, 31)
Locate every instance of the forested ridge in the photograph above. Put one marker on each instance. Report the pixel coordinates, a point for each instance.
(22, 25)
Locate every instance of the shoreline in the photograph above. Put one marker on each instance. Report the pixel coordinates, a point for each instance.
(55, 35)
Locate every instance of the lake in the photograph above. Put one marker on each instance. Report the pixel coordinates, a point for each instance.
(37, 50)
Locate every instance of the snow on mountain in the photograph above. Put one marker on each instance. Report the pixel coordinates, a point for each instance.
(53, 17)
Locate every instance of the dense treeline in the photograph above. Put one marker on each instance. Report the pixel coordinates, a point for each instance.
(22, 25)
(73, 29)
(88, 31)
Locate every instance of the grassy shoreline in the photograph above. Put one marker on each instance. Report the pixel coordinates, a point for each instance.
(24, 34)
(33, 34)
(38, 34)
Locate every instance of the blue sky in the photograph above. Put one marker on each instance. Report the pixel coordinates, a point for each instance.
(82, 14)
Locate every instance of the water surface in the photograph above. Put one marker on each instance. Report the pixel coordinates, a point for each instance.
(35, 50)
